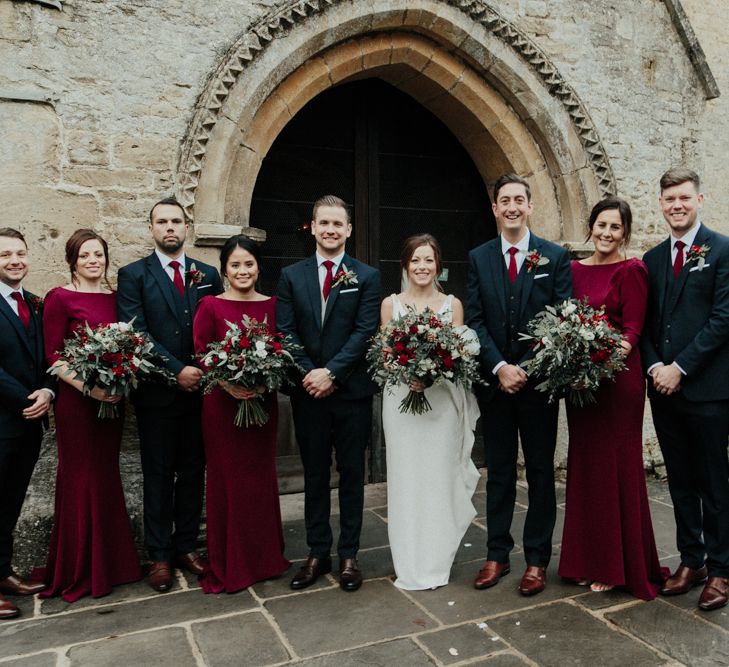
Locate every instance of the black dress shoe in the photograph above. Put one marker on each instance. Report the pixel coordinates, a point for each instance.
(350, 576)
(14, 585)
(310, 571)
(7, 609)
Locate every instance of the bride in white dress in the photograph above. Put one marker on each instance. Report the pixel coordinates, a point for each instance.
(430, 475)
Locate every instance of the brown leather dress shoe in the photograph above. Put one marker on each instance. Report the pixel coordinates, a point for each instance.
(7, 609)
(715, 594)
(310, 571)
(193, 562)
(350, 576)
(490, 574)
(14, 585)
(533, 581)
(160, 576)
(683, 580)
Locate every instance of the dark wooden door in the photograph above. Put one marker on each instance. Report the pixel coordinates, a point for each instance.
(403, 172)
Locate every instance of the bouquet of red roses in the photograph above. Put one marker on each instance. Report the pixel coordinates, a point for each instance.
(575, 348)
(421, 346)
(112, 356)
(249, 356)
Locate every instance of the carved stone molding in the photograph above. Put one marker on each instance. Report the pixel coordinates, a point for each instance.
(291, 13)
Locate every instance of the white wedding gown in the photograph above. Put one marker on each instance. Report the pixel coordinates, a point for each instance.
(430, 478)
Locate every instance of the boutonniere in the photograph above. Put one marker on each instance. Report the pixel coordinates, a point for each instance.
(534, 259)
(36, 302)
(193, 275)
(697, 253)
(344, 277)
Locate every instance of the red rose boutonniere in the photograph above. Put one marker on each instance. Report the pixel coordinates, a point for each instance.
(344, 277)
(534, 259)
(36, 302)
(697, 253)
(194, 276)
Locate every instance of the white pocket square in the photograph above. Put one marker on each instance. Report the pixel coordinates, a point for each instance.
(353, 289)
(699, 268)
(541, 275)
(203, 286)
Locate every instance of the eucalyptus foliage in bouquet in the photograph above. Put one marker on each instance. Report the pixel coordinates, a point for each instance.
(575, 348)
(249, 356)
(114, 357)
(421, 346)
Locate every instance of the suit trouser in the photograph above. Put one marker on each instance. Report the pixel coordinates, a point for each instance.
(173, 465)
(693, 438)
(345, 426)
(18, 457)
(503, 419)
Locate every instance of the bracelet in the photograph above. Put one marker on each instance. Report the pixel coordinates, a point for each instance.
(86, 391)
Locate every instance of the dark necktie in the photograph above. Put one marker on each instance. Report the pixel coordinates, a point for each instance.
(512, 264)
(678, 262)
(23, 310)
(177, 277)
(328, 278)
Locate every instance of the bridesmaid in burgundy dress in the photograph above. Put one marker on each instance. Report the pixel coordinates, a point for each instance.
(245, 537)
(92, 548)
(608, 535)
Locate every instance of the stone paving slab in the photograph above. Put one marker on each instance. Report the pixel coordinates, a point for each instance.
(333, 620)
(548, 634)
(40, 660)
(604, 600)
(161, 647)
(501, 660)
(689, 603)
(279, 586)
(462, 642)
(242, 640)
(87, 625)
(469, 603)
(684, 636)
(398, 653)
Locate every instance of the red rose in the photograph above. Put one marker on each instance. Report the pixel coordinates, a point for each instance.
(413, 328)
(403, 359)
(119, 371)
(448, 362)
(244, 343)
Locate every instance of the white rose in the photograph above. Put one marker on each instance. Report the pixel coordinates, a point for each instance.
(569, 309)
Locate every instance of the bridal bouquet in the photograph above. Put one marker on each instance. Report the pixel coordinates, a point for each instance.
(575, 348)
(112, 356)
(249, 356)
(420, 346)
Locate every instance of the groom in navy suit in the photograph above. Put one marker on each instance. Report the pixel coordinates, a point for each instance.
(25, 396)
(329, 304)
(685, 350)
(161, 292)
(511, 279)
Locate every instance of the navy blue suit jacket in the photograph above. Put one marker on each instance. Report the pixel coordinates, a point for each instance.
(486, 304)
(146, 293)
(340, 342)
(690, 325)
(22, 366)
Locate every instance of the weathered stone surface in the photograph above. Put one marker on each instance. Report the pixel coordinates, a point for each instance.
(256, 642)
(462, 642)
(87, 147)
(402, 652)
(40, 660)
(145, 153)
(546, 634)
(164, 647)
(683, 636)
(116, 620)
(29, 142)
(334, 620)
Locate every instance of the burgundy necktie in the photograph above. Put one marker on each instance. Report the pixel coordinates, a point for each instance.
(678, 262)
(328, 278)
(177, 277)
(23, 310)
(512, 263)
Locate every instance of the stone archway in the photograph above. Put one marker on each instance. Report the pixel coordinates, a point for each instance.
(495, 90)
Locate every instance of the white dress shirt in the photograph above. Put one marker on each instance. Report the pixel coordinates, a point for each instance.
(165, 261)
(323, 269)
(688, 238)
(7, 293)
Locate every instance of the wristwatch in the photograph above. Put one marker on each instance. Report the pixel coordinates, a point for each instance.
(330, 375)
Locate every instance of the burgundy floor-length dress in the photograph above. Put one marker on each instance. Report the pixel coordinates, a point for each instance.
(245, 537)
(608, 533)
(92, 547)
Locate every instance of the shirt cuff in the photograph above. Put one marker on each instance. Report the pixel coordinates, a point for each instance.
(499, 365)
(649, 372)
(683, 372)
(50, 391)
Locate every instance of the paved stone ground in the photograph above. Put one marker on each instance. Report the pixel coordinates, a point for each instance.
(379, 625)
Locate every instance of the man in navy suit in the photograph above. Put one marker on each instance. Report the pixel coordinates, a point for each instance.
(161, 292)
(329, 304)
(511, 279)
(25, 396)
(685, 350)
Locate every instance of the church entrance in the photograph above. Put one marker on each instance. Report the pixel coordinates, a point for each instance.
(402, 171)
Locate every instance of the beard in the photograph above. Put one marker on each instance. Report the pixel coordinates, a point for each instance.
(171, 245)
